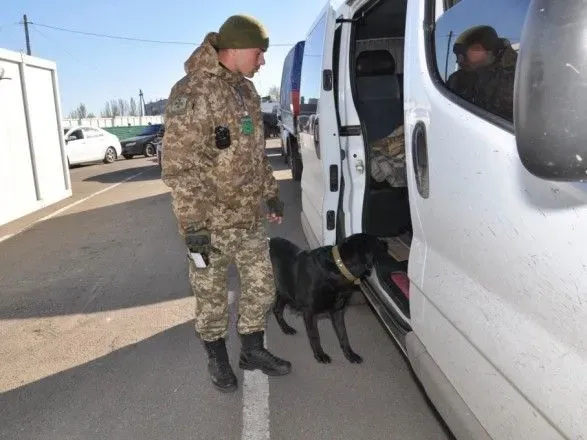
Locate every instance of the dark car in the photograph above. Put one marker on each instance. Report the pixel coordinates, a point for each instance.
(145, 143)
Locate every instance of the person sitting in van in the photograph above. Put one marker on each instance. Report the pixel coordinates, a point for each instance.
(388, 159)
(487, 66)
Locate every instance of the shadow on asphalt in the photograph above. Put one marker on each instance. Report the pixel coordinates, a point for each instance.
(119, 256)
(150, 173)
(114, 257)
(127, 255)
(95, 163)
(155, 389)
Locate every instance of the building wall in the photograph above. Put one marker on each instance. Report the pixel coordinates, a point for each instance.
(155, 108)
(33, 172)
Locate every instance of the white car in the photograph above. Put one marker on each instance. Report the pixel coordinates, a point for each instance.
(90, 144)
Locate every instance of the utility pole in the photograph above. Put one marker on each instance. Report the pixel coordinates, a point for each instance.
(450, 35)
(141, 103)
(26, 34)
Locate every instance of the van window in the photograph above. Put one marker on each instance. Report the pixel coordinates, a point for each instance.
(311, 82)
(476, 45)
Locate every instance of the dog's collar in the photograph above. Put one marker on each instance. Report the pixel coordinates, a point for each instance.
(343, 269)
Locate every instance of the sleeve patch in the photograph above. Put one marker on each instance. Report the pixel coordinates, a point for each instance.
(179, 105)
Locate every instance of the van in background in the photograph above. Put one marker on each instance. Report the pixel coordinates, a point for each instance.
(289, 108)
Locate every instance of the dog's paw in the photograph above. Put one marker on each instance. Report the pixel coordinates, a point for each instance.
(353, 357)
(323, 358)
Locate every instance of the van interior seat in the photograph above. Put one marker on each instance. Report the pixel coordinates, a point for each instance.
(380, 107)
(378, 93)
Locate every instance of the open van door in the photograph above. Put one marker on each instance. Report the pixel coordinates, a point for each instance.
(318, 133)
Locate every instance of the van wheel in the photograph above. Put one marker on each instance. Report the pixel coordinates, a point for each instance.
(284, 149)
(266, 130)
(295, 163)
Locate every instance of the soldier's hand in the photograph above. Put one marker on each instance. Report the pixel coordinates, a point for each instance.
(198, 242)
(275, 214)
(273, 218)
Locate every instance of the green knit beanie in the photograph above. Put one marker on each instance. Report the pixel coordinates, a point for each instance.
(242, 32)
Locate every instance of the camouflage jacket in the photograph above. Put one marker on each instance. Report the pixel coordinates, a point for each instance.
(211, 187)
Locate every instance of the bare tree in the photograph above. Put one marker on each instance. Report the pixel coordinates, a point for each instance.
(132, 111)
(274, 93)
(82, 111)
(114, 108)
(123, 107)
(107, 112)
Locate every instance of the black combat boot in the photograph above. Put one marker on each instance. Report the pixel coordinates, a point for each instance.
(221, 373)
(254, 356)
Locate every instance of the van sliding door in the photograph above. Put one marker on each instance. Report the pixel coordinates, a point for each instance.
(318, 131)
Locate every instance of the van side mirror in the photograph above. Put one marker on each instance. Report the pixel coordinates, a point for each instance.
(550, 92)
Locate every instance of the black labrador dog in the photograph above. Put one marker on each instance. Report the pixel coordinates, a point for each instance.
(320, 281)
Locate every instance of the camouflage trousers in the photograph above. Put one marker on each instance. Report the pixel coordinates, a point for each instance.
(249, 249)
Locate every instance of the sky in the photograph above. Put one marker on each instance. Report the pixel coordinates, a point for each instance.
(93, 70)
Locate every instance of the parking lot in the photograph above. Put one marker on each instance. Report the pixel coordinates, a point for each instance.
(96, 318)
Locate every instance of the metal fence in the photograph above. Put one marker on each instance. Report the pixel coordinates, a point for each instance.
(118, 121)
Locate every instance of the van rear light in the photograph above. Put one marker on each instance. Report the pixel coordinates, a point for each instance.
(295, 102)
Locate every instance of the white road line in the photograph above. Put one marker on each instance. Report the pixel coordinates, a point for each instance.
(85, 199)
(255, 399)
(71, 205)
(255, 406)
(6, 237)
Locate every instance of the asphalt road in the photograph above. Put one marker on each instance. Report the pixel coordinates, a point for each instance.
(97, 338)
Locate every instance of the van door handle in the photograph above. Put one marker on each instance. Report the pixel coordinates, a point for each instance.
(420, 159)
(316, 133)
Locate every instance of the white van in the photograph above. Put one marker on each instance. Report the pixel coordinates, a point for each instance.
(485, 286)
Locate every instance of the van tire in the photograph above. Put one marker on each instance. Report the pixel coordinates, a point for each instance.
(284, 149)
(266, 130)
(295, 161)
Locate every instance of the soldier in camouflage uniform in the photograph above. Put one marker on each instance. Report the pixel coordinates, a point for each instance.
(487, 67)
(214, 162)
